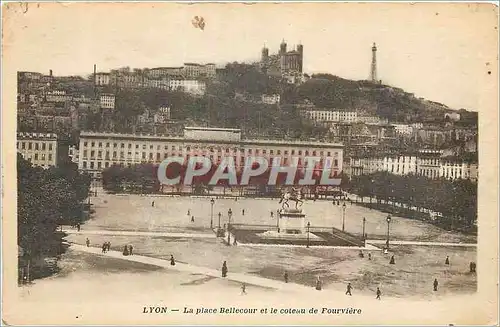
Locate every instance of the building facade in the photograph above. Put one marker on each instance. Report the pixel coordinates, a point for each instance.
(331, 116)
(102, 79)
(107, 101)
(270, 98)
(41, 149)
(99, 151)
(284, 62)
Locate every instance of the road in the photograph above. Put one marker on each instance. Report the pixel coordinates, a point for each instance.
(185, 267)
(421, 243)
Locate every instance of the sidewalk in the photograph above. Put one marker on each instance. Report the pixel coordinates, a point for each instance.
(137, 233)
(185, 267)
(421, 243)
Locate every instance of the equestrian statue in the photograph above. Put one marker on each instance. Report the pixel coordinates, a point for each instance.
(292, 195)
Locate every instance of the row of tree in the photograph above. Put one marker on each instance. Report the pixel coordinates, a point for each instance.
(47, 198)
(143, 177)
(455, 199)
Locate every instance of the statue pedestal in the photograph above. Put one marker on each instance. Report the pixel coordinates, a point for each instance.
(292, 221)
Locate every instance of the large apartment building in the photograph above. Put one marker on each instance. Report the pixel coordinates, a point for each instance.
(41, 149)
(98, 151)
(428, 163)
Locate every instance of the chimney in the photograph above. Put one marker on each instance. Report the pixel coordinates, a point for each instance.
(50, 72)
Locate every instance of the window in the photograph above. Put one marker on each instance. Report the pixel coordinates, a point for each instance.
(44, 146)
(85, 144)
(99, 154)
(271, 151)
(36, 156)
(157, 157)
(130, 146)
(50, 146)
(188, 148)
(85, 153)
(43, 156)
(107, 144)
(165, 156)
(50, 156)
(29, 145)
(106, 164)
(36, 146)
(293, 151)
(115, 145)
(114, 154)
(84, 164)
(144, 155)
(100, 144)
(92, 154)
(122, 155)
(328, 153)
(99, 165)
(122, 145)
(300, 152)
(93, 144)
(335, 163)
(91, 165)
(286, 152)
(137, 146)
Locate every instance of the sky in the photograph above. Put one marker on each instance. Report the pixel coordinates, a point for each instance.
(442, 52)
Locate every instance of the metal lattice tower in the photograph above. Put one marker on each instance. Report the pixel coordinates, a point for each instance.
(373, 76)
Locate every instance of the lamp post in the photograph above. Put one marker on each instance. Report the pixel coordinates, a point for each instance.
(219, 219)
(229, 214)
(388, 223)
(308, 226)
(343, 216)
(212, 202)
(364, 222)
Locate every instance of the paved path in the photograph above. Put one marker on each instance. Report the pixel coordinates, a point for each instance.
(368, 247)
(237, 277)
(422, 243)
(137, 233)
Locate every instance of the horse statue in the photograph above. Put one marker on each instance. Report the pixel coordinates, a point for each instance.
(292, 195)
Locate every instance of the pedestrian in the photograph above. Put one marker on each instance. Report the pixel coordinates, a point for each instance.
(235, 242)
(104, 247)
(153, 204)
(172, 260)
(243, 212)
(392, 260)
(78, 226)
(108, 246)
(130, 248)
(87, 241)
(224, 269)
(272, 214)
(318, 284)
(435, 284)
(189, 212)
(447, 261)
(192, 219)
(243, 289)
(369, 256)
(472, 267)
(378, 293)
(125, 250)
(349, 288)
(386, 251)
(361, 255)
(286, 276)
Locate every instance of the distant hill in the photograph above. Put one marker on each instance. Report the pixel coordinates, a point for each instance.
(395, 104)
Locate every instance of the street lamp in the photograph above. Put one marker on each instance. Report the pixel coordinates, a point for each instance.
(388, 223)
(229, 214)
(308, 226)
(219, 219)
(212, 202)
(364, 222)
(343, 216)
